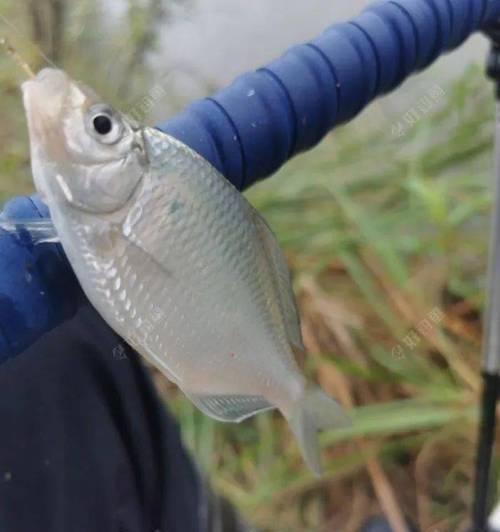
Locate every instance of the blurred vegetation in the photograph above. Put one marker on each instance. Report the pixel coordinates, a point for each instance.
(386, 229)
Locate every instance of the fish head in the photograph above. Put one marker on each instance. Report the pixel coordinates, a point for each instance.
(83, 152)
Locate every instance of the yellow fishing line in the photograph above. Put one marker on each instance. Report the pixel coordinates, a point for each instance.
(12, 52)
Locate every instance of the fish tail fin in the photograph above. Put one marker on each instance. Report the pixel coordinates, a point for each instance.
(313, 412)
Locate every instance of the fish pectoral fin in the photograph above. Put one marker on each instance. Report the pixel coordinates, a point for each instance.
(152, 259)
(230, 408)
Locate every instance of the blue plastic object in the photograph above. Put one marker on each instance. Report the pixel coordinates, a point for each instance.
(251, 128)
(38, 288)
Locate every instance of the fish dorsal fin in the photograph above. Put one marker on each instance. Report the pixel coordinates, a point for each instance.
(230, 408)
(283, 282)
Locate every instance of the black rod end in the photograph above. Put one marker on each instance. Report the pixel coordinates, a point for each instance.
(487, 427)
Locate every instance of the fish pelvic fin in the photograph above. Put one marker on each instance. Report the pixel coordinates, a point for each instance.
(314, 412)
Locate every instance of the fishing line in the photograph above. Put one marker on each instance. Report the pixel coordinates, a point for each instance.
(15, 29)
(14, 54)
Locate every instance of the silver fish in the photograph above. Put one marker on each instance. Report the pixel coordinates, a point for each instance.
(174, 258)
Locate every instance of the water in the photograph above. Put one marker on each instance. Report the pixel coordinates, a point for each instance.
(210, 42)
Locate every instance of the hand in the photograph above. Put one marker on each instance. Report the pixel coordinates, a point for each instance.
(38, 289)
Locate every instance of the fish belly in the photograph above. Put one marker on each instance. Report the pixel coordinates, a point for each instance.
(204, 330)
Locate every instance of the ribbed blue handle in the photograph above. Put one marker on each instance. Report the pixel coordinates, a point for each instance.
(251, 128)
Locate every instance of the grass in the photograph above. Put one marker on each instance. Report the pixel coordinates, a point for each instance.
(387, 240)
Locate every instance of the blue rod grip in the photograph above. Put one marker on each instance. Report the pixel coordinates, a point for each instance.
(251, 128)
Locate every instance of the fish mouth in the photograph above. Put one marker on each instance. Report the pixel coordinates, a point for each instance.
(44, 97)
(48, 79)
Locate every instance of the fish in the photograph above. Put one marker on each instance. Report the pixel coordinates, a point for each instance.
(175, 259)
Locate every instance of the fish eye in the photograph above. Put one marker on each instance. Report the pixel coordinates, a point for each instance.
(104, 124)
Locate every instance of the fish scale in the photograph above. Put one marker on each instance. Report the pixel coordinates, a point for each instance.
(174, 258)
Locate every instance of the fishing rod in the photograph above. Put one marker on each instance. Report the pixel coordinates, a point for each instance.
(491, 345)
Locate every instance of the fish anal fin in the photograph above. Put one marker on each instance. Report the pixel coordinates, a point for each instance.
(230, 408)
